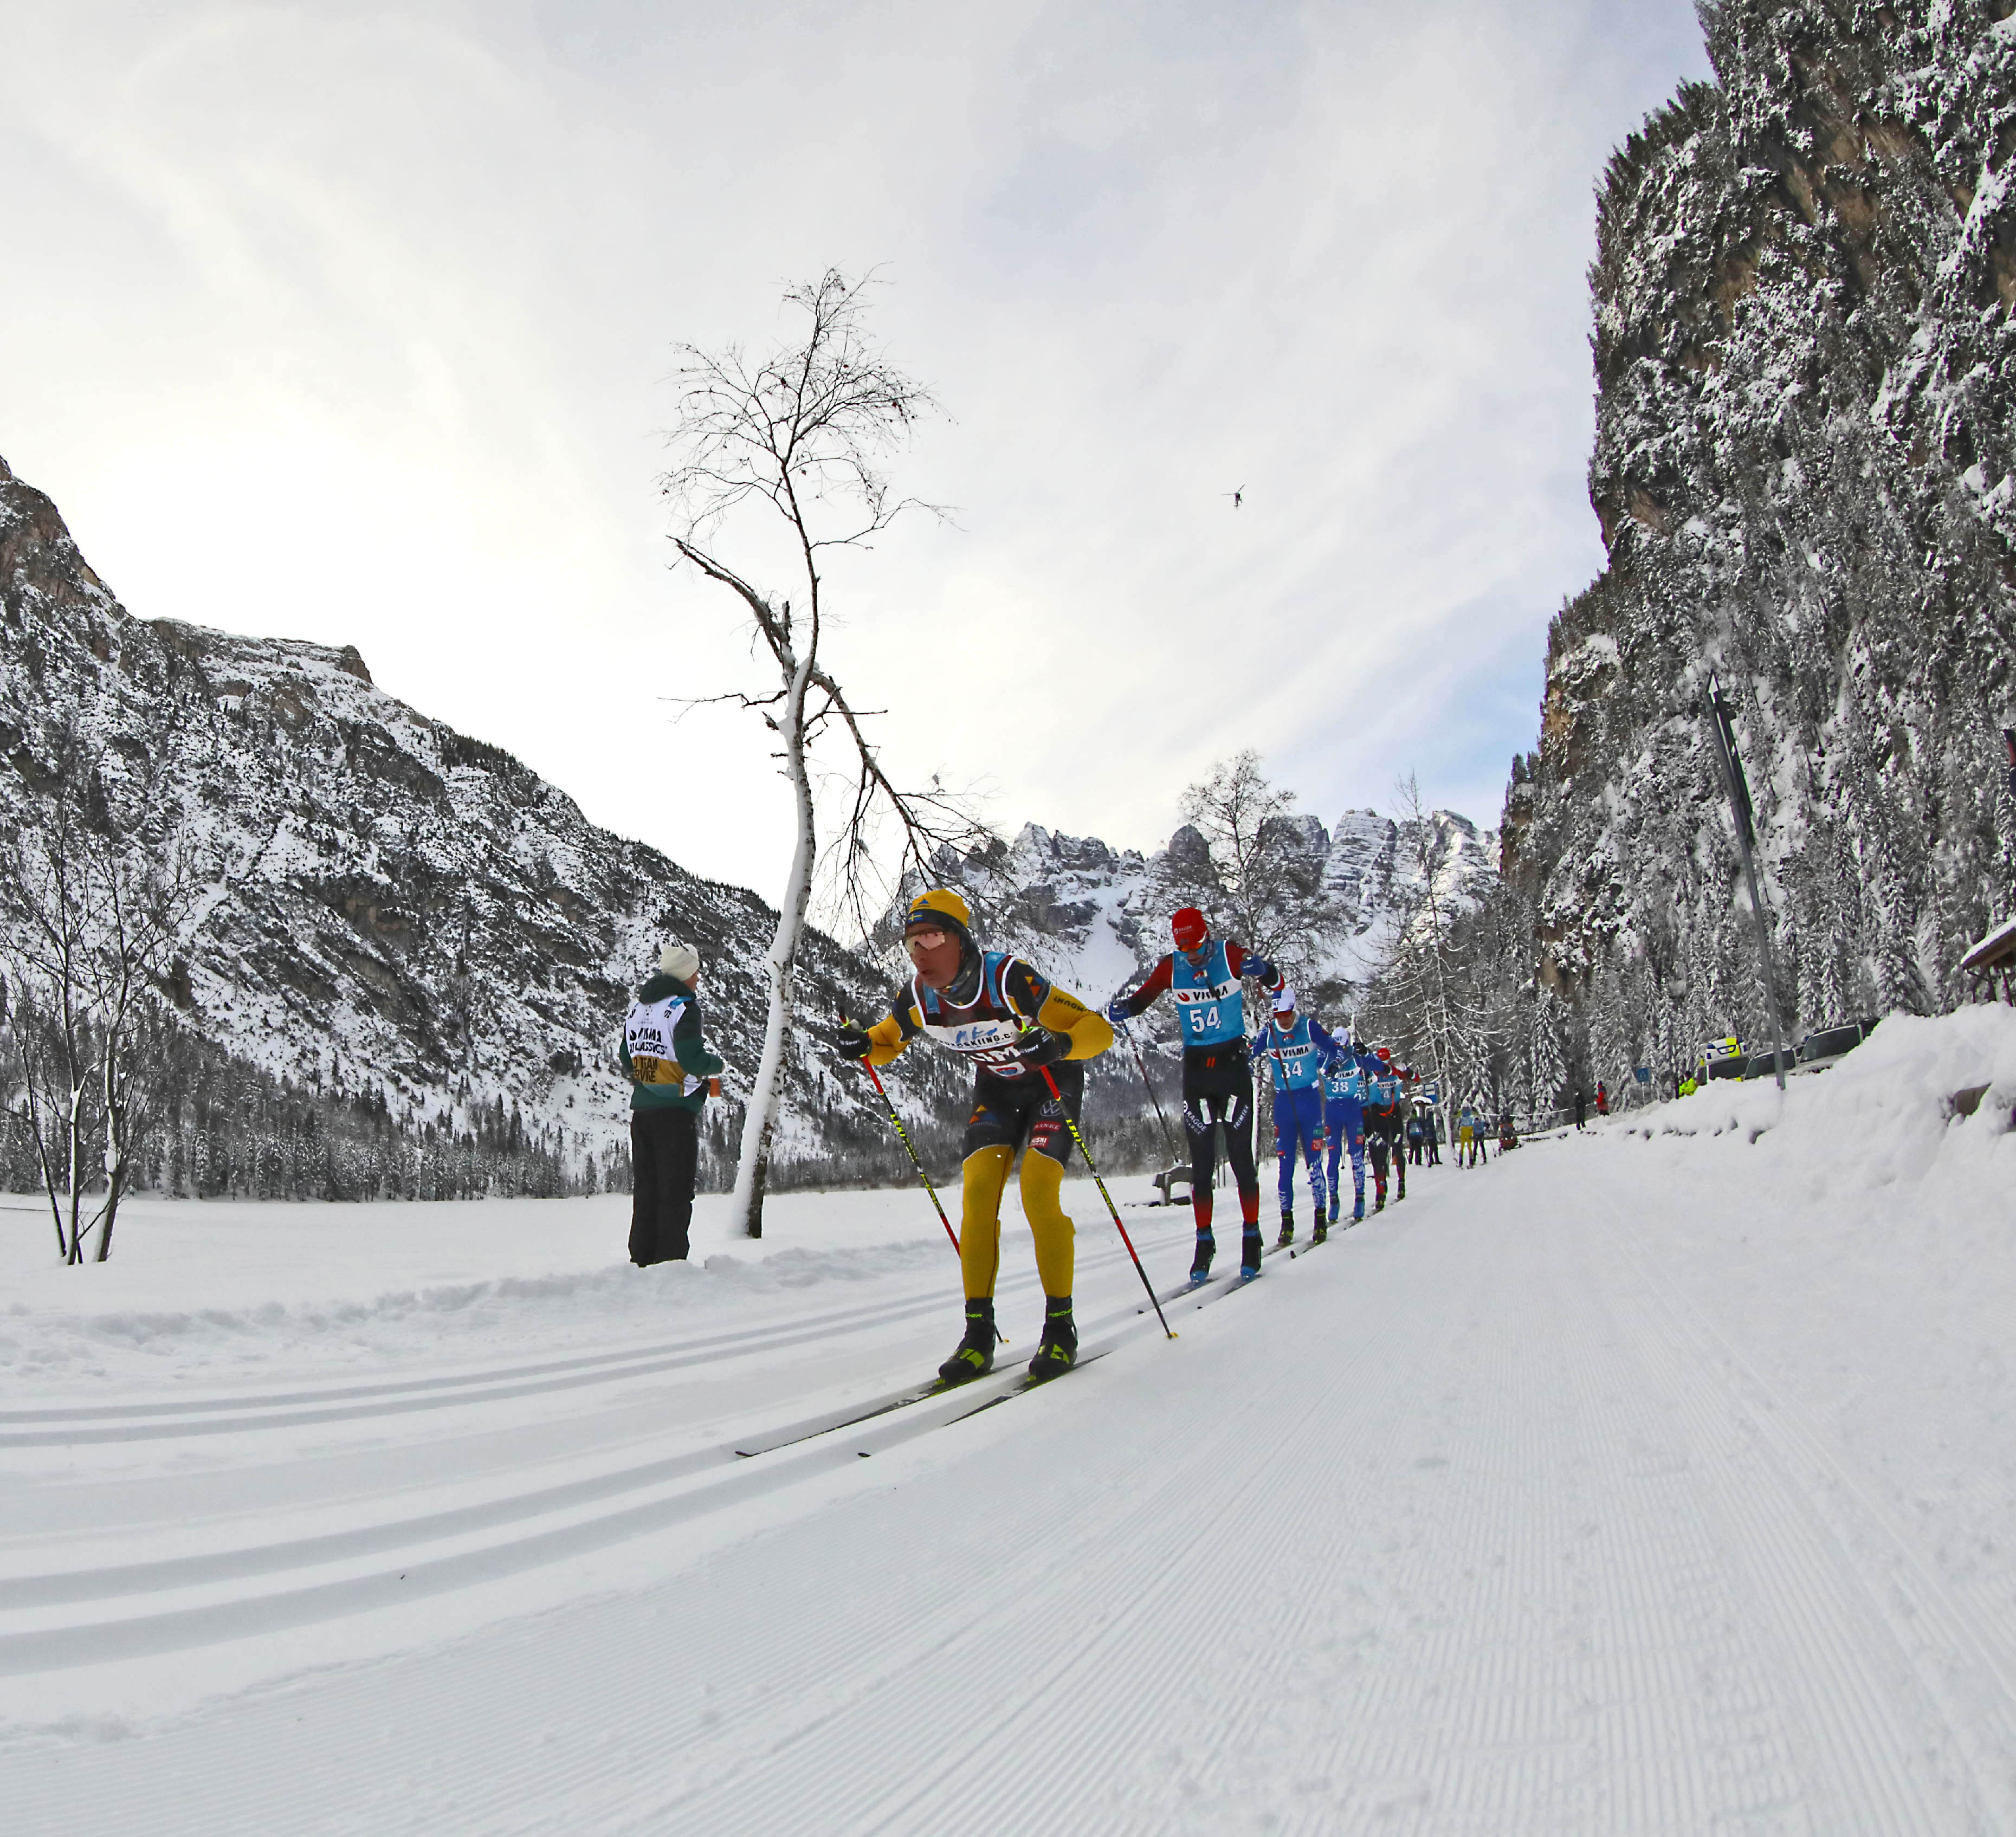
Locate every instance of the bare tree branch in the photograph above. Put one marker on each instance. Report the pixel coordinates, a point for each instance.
(92, 913)
(807, 433)
(1258, 877)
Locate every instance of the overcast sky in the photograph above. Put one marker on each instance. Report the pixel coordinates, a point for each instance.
(354, 323)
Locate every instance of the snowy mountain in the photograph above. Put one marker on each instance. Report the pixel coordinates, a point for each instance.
(411, 928)
(1094, 917)
(405, 916)
(1806, 430)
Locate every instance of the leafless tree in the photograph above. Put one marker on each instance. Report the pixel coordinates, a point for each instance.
(1258, 877)
(91, 920)
(804, 436)
(1432, 989)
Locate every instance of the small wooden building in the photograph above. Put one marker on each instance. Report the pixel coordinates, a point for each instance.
(1993, 961)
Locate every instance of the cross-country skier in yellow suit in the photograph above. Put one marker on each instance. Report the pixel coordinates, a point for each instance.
(992, 1009)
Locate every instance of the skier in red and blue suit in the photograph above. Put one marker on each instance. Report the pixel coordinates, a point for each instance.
(1203, 975)
(1299, 1048)
(1345, 1089)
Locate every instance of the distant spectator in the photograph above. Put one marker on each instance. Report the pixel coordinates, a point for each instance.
(1602, 1099)
(1581, 1107)
(672, 1074)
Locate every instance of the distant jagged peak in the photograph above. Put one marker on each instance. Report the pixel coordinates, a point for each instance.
(1040, 849)
(1094, 915)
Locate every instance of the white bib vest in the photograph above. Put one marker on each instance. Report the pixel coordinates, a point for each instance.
(647, 1032)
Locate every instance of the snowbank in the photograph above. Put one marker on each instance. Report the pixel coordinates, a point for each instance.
(1880, 1122)
(195, 1291)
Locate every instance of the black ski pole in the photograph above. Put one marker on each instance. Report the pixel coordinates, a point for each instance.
(904, 1135)
(1071, 1124)
(1168, 1140)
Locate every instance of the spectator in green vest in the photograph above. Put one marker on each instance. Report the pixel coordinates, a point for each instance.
(671, 1075)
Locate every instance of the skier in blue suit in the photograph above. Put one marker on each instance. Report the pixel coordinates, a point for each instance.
(1345, 1089)
(1298, 1048)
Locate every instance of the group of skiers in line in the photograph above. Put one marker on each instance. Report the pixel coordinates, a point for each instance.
(1331, 1096)
(1027, 1041)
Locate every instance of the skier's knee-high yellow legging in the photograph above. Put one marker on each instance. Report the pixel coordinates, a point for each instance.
(980, 1222)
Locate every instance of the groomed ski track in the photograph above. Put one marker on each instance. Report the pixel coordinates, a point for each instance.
(1479, 1522)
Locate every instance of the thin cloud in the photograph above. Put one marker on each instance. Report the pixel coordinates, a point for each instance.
(355, 326)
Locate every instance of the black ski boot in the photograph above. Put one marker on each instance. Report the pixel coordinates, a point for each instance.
(1320, 1233)
(1058, 1353)
(1251, 1251)
(1200, 1263)
(974, 1356)
(1287, 1236)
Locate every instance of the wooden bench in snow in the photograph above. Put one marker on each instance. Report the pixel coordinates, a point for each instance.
(1993, 957)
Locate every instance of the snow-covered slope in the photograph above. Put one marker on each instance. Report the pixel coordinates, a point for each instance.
(404, 912)
(1653, 1480)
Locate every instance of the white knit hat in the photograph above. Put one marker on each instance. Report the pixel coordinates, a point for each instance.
(1284, 999)
(679, 961)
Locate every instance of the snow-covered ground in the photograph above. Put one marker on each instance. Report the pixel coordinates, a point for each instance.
(1655, 1479)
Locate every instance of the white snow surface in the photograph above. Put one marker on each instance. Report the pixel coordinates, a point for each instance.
(1653, 1479)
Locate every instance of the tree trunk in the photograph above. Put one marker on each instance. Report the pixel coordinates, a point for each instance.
(115, 1151)
(753, 1169)
(31, 1113)
(73, 1166)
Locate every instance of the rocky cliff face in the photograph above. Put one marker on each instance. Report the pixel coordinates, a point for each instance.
(401, 910)
(1805, 432)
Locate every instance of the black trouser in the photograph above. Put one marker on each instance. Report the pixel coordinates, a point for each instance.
(1010, 1112)
(1218, 1087)
(1383, 1138)
(664, 1156)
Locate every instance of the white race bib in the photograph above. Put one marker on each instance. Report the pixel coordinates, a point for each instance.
(647, 1032)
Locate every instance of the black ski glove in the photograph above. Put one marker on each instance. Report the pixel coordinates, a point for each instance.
(850, 1041)
(1040, 1047)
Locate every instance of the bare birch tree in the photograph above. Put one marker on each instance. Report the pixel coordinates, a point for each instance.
(1431, 988)
(803, 436)
(1261, 882)
(92, 920)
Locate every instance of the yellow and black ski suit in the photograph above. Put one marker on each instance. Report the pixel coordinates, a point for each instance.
(1011, 1009)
